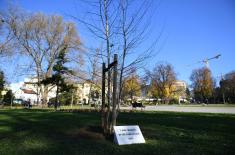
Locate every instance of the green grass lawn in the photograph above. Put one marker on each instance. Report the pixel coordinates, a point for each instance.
(47, 132)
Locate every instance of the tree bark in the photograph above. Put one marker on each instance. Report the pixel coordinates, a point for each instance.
(57, 100)
(107, 124)
(71, 104)
(103, 120)
(114, 110)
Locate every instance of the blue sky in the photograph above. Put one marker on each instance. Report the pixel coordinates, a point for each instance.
(193, 30)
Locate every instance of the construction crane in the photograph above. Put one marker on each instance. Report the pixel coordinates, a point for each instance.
(206, 60)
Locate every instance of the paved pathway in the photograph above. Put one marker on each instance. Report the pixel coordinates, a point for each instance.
(178, 108)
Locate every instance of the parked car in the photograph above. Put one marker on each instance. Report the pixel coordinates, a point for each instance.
(50, 104)
(18, 101)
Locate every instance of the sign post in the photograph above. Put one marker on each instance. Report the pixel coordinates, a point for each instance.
(124, 135)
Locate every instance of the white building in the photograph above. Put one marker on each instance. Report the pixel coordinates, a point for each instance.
(29, 90)
(31, 84)
(26, 94)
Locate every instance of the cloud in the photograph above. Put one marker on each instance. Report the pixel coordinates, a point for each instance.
(16, 86)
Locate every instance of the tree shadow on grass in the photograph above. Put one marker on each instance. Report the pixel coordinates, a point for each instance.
(32, 132)
(47, 132)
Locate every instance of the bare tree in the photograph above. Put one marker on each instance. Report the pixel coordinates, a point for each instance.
(5, 42)
(95, 74)
(134, 29)
(105, 15)
(40, 38)
(121, 26)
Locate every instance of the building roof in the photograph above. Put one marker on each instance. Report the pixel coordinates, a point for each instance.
(28, 91)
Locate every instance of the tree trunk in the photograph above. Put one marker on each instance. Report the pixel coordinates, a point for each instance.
(103, 120)
(114, 110)
(71, 104)
(44, 95)
(107, 124)
(56, 101)
(89, 95)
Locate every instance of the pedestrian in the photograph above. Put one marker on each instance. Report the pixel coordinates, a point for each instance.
(29, 103)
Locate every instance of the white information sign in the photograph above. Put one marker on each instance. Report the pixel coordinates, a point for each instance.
(128, 135)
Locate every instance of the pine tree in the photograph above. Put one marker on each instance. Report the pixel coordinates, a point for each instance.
(58, 79)
(7, 99)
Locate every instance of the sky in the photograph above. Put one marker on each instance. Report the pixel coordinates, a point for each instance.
(193, 30)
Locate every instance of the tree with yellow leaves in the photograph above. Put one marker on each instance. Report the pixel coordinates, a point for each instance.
(131, 87)
(162, 79)
(202, 83)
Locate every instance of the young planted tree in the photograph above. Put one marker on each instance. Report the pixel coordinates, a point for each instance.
(101, 23)
(40, 38)
(134, 26)
(202, 84)
(121, 26)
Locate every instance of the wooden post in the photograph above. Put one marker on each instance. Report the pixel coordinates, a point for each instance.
(114, 112)
(11, 100)
(71, 103)
(103, 98)
(107, 123)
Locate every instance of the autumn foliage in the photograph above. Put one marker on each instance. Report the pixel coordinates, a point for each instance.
(202, 84)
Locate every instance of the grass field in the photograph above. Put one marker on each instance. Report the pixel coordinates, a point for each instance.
(49, 132)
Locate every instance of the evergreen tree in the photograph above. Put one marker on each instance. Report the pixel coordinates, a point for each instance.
(187, 92)
(58, 79)
(8, 97)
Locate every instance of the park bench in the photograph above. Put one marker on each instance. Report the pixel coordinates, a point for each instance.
(136, 105)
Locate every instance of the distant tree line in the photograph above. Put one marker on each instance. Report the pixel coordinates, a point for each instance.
(226, 91)
(204, 89)
(159, 84)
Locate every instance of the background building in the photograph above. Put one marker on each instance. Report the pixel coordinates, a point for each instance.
(29, 90)
(180, 90)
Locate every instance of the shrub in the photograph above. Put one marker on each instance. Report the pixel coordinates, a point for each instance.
(8, 97)
(174, 101)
